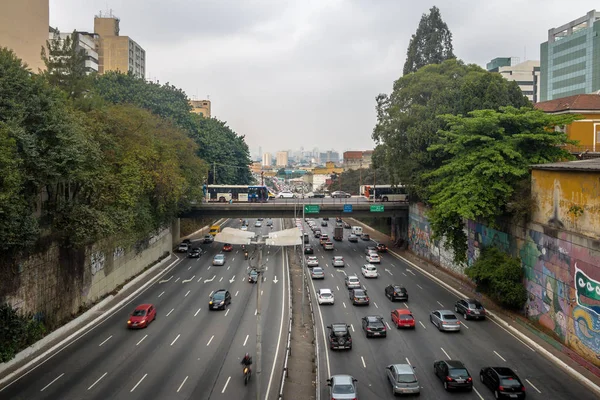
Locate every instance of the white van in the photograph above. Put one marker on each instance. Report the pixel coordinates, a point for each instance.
(357, 230)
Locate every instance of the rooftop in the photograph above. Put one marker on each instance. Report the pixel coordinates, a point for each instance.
(576, 103)
(592, 165)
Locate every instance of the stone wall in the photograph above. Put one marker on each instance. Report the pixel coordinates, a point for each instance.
(57, 283)
(562, 274)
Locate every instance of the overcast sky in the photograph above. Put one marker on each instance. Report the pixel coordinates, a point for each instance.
(305, 73)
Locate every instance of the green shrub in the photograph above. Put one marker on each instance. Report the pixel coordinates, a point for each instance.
(500, 277)
(17, 332)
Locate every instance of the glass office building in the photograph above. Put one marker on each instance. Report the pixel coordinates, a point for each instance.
(570, 59)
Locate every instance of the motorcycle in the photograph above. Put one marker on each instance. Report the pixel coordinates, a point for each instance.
(247, 375)
(246, 255)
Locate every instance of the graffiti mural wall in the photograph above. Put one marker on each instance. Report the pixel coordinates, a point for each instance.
(562, 275)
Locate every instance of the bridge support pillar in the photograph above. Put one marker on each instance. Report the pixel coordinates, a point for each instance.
(176, 230)
(393, 228)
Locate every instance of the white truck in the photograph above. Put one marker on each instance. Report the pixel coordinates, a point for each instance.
(357, 230)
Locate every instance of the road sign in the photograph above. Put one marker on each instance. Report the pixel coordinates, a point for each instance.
(377, 208)
(347, 207)
(312, 208)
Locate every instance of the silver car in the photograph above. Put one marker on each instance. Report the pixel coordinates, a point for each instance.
(403, 379)
(338, 261)
(445, 320)
(352, 282)
(342, 387)
(219, 259)
(317, 273)
(312, 262)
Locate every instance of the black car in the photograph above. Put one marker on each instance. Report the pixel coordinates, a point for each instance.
(339, 336)
(470, 308)
(269, 223)
(373, 325)
(308, 249)
(338, 219)
(187, 241)
(208, 239)
(347, 225)
(503, 382)
(396, 292)
(317, 234)
(195, 253)
(358, 297)
(219, 300)
(325, 218)
(365, 236)
(453, 374)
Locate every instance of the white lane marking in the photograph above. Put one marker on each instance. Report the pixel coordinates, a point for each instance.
(182, 383)
(363, 361)
(388, 271)
(229, 266)
(55, 379)
(199, 279)
(502, 358)
(422, 325)
(405, 305)
(141, 340)
(188, 280)
(449, 358)
(344, 304)
(188, 292)
(511, 334)
(210, 280)
(388, 325)
(105, 340)
(226, 383)
(197, 312)
(227, 312)
(478, 394)
(137, 384)
(174, 340)
(161, 294)
(261, 292)
(352, 326)
(211, 293)
(211, 338)
(165, 280)
(190, 267)
(441, 305)
(533, 386)
(376, 305)
(408, 361)
(332, 275)
(409, 271)
(236, 293)
(419, 286)
(176, 280)
(208, 267)
(463, 324)
(170, 312)
(404, 274)
(97, 380)
(267, 267)
(255, 311)
(220, 280)
(393, 265)
(246, 340)
(338, 288)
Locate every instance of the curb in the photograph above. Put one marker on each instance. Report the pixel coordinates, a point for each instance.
(82, 331)
(520, 336)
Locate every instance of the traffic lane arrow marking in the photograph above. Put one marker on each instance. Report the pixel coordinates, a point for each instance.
(166, 280)
(232, 279)
(275, 280)
(188, 280)
(211, 279)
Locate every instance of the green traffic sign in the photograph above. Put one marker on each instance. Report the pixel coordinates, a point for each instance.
(377, 208)
(312, 208)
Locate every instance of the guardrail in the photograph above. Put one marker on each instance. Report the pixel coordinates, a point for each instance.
(288, 347)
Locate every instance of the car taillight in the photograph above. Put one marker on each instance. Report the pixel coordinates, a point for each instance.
(366, 298)
(368, 328)
(468, 311)
(449, 379)
(523, 388)
(501, 388)
(469, 379)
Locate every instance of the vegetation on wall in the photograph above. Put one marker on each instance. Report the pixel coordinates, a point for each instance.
(500, 277)
(17, 332)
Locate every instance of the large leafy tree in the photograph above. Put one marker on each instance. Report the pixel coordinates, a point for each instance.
(488, 155)
(407, 122)
(65, 64)
(430, 44)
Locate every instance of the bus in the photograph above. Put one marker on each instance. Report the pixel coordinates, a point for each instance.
(237, 193)
(384, 192)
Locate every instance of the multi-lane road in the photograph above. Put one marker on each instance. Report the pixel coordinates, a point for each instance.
(189, 352)
(478, 344)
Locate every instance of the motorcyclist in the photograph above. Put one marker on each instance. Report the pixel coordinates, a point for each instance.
(246, 254)
(247, 362)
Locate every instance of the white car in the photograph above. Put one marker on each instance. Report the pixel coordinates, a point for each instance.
(258, 224)
(325, 296)
(312, 262)
(286, 195)
(369, 271)
(352, 282)
(373, 258)
(338, 261)
(244, 228)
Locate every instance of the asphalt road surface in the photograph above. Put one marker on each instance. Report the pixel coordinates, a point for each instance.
(189, 352)
(478, 344)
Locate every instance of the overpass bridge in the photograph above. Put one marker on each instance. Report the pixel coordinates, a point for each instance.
(290, 208)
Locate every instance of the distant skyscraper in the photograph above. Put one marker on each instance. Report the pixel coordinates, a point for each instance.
(526, 74)
(266, 160)
(282, 159)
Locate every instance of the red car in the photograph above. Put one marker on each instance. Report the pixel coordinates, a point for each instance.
(142, 316)
(227, 247)
(382, 248)
(403, 318)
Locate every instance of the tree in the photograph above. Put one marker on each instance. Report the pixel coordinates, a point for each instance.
(499, 276)
(431, 44)
(488, 153)
(407, 122)
(65, 64)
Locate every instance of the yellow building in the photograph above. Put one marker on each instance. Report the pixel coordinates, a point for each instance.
(329, 169)
(201, 107)
(115, 52)
(586, 130)
(24, 26)
(256, 167)
(567, 196)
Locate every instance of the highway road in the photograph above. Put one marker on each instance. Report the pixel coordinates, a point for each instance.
(189, 352)
(478, 344)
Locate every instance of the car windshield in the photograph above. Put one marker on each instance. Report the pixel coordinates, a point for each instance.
(449, 316)
(359, 293)
(219, 296)
(343, 389)
(371, 268)
(407, 378)
(458, 372)
(317, 270)
(139, 313)
(475, 306)
(326, 295)
(510, 382)
(406, 316)
(219, 257)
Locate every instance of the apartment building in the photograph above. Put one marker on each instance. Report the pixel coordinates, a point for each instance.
(357, 159)
(85, 41)
(266, 160)
(201, 107)
(526, 74)
(282, 159)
